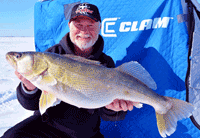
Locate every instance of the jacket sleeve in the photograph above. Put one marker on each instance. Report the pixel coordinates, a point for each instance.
(30, 100)
(110, 115)
(107, 114)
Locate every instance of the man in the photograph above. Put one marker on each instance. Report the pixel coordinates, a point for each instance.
(64, 120)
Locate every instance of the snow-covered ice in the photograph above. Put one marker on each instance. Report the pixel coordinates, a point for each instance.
(11, 112)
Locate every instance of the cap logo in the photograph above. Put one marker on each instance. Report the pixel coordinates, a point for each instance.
(84, 9)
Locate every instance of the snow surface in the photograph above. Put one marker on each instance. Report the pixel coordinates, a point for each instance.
(11, 112)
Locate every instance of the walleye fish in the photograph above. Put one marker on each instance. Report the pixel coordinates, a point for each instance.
(87, 84)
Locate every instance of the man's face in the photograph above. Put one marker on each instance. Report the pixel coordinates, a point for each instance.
(84, 32)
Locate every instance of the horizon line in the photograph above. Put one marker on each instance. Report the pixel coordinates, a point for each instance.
(16, 36)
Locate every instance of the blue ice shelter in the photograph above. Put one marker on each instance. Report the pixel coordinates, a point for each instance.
(162, 35)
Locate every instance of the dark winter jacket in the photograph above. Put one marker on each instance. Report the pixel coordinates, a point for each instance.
(77, 122)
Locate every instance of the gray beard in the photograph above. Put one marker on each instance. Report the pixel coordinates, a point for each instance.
(84, 46)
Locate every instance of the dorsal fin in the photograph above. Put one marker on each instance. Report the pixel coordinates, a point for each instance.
(136, 70)
(82, 59)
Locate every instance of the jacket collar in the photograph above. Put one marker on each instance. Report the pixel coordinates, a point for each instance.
(68, 46)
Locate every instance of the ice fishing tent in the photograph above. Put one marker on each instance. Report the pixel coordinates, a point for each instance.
(162, 35)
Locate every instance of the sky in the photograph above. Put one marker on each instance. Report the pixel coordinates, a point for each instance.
(17, 17)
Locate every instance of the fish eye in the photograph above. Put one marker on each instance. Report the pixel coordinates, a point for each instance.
(18, 55)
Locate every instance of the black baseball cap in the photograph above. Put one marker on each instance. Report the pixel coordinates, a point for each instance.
(86, 9)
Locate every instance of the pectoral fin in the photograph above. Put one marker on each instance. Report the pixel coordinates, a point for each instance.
(46, 100)
(46, 78)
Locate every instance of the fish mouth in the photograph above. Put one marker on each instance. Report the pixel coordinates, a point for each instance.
(10, 59)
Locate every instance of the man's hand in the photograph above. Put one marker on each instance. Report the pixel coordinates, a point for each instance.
(121, 105)
(28, 85)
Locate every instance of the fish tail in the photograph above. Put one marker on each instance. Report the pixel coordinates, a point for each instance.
(179, 110)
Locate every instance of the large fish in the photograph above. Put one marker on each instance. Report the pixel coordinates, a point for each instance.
(87, 84)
